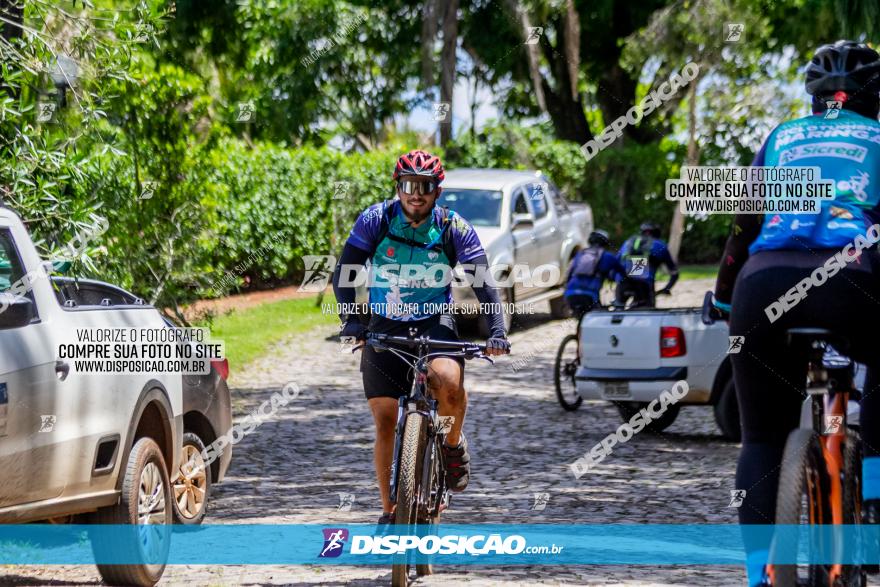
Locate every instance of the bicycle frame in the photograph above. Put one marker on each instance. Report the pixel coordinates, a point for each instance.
(831, 380)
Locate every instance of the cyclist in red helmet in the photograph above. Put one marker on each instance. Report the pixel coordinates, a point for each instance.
(405, 239)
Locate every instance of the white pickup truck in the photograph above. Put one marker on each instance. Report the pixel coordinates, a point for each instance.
(90, 446)
(521, 217)
(629, 357)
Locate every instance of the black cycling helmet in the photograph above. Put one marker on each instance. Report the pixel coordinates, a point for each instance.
(845, 66)
(651, 228)
(599, 238)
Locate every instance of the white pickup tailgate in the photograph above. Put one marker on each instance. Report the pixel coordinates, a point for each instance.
(621, 340)
(631, 339)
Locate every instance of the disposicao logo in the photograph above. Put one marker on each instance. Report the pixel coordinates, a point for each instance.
(334, 540)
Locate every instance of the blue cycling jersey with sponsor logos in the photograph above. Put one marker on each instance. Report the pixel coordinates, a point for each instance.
(395, 292)
(846, 148)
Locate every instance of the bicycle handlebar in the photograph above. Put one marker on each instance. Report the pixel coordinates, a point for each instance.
(467, 349)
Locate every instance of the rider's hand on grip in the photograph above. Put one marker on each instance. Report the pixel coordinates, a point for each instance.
(497, 346)
(714, 310)
(352, 332)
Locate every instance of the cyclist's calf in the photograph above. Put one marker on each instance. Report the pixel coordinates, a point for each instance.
(445, 383)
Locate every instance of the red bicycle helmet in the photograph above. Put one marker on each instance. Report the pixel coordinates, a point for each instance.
(419, 162)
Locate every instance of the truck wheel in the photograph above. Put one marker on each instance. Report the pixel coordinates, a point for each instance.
(629, 409)
(727, 413)
(559, 308)
(192, 487)
(145, 505)
(505, 296)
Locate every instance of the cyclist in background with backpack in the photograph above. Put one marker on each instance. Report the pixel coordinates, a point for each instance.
(588, 271)
(641, 256)
(396, 236)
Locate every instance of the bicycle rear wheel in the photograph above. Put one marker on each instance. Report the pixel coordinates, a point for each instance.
(410, 475)
(802, 499)
(567, 363)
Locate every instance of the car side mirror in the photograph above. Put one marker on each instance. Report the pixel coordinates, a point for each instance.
(15, 311)
(521, 221)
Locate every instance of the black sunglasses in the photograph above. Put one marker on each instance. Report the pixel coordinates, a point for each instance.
(412, 187)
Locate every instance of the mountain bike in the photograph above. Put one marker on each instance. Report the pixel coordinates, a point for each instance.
(418, 468)
(820, 476)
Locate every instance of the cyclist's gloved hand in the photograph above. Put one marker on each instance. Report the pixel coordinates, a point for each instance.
(497, 345)
(353, 329)
(721, 310)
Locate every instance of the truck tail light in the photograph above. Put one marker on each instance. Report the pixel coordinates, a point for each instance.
(222, 367)
(672, 342)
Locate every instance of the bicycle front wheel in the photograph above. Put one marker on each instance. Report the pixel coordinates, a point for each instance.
(802, 499)
(434, 488)
(567, 363)
(410, 474)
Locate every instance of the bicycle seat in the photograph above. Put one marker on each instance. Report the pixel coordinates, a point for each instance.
(804, 337)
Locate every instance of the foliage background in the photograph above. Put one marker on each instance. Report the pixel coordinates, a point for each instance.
(153, 104)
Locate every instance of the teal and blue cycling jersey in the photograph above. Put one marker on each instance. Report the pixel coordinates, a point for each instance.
(847, 150)
(395, 294)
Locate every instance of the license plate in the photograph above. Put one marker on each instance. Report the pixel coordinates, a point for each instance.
(616, 390)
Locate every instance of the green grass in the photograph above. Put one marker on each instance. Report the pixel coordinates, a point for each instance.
(691, 272)
(250, 333)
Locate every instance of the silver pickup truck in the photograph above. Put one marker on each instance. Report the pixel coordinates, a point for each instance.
(521, 217)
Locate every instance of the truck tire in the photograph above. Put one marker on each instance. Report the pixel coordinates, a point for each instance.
(726, 411)
(629, 409)
(145, 501)
(559, 308)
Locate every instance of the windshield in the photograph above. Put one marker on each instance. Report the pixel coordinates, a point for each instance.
(479, 207)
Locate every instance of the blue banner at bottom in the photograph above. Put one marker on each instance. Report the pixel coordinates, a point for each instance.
(481, 544)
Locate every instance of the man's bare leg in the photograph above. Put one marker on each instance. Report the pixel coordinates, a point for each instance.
(385, 417)
(446, 382)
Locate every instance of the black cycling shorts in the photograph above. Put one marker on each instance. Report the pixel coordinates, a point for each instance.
(770, 378)
(387, 375)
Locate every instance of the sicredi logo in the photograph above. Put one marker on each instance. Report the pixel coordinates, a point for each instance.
(334, 540)
(840, 150)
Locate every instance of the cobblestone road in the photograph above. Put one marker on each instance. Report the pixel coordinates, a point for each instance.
(294, 468)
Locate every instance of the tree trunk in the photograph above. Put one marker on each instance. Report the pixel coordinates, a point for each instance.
(447, 66)
(616, 95)
(429, 35)
(572, 46)
(676, 229)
